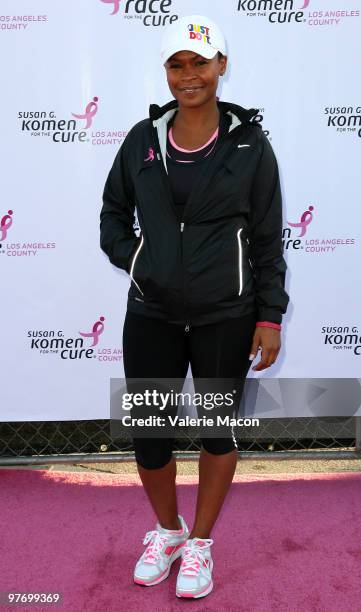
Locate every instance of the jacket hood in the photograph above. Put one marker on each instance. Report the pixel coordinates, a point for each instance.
(242, 114)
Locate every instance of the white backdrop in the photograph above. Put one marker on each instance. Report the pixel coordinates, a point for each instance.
(298, 61)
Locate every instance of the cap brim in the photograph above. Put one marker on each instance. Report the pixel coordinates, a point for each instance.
(208, 52)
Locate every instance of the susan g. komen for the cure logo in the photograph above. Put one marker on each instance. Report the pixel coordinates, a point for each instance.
(276, 11)
(309, 244)
(46, 124)
(18, 249)
(150, 12)
(49, 342)
(295, 11)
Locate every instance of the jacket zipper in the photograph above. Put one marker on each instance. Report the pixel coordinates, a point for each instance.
(250, 263)
(183, 279)
(166, 178)
(240, 260)
(133, 264)
(204, 175)
(175, 212)
(165, 175)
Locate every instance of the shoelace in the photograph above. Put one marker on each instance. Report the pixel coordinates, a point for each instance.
(157, 541)
(192, 558)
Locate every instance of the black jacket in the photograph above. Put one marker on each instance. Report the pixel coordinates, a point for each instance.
(225, 259)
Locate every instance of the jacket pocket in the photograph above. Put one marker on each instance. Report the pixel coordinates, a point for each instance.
(214, 264)
(134, 267)
(240, 261)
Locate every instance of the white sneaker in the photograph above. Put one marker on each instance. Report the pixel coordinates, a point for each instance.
(164, 547)
(195, 573)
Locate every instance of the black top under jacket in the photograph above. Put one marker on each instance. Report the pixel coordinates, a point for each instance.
(225, 258)
(183, 176)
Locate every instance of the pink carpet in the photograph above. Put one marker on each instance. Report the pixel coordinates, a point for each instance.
(289, 543)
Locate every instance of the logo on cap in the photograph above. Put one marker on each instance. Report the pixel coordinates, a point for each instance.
(199, 32)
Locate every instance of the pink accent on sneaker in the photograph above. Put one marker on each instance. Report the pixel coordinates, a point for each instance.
(171, 549)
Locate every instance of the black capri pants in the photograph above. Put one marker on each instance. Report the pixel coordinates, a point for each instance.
(153, 348)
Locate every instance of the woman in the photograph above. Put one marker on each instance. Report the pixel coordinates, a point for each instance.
(207, 276)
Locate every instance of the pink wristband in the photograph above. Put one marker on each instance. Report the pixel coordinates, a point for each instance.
(268, 324)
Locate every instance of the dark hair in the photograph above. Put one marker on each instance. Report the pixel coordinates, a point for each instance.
(220, 55)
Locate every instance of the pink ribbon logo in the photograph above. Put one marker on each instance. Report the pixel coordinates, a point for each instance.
(150, 154)
(98, 329)
(306, 219)
(116, 5)
(305, 4)
(90, 111)
(5, 224)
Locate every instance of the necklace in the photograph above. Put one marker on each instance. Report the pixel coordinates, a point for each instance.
(213, 139)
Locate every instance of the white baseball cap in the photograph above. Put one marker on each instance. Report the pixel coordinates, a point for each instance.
(195, 33)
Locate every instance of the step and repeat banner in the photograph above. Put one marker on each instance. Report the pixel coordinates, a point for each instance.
(76, 76)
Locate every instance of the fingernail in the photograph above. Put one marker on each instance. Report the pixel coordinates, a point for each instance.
(251, 357)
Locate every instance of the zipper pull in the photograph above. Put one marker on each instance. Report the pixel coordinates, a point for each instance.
(182, 226)
(186, 328)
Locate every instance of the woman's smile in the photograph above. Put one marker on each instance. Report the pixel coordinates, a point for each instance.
(190, 91)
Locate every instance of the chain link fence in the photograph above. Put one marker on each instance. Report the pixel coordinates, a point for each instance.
(71, 441)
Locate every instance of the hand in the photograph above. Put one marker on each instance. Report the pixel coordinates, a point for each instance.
(269, 340)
